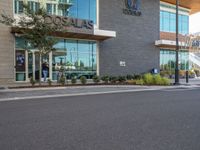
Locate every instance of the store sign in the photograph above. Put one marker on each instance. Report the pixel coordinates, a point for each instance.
(122, 64)
(69, 22)
(132, 7)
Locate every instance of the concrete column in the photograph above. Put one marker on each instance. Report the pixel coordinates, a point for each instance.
(50, 65)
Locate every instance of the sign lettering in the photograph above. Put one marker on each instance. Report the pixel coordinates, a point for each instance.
(132, 8)
(69, 22)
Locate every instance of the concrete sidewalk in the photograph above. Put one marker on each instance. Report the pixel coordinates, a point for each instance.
(35, 93)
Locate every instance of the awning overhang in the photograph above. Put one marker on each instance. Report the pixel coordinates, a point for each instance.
(169, 44)
(98, 35)
(193, 5)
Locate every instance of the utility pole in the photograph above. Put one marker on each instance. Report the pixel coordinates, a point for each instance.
(177, 44)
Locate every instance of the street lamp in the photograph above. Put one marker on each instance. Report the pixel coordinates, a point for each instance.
(177, 44)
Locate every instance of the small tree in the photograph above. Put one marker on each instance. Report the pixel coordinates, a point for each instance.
(33, 28)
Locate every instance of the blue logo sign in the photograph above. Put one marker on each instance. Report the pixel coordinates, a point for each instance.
(132, 7)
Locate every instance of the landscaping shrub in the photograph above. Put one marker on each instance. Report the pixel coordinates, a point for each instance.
(49, 82)
(129, 77)
(137, 77)
(73, 80)
(197, 72)
(182, 73)
(140, 82)
(113, 79)
(165, 81)
(133, 82)
(62, 80)
(96, 79)
(148, 79)
(83, 80)
(32, 81)
(167, 73)
(105, 79)
(121, 79)
(191, 74)
(158, 80)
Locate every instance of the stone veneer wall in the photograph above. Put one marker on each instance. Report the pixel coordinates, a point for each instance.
(6, 46)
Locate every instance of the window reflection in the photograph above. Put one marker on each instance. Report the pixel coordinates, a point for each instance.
(168, 22)
(168, 59)
(78, 58)
(82, 9)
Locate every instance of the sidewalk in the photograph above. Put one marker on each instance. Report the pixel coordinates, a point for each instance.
(36, 93)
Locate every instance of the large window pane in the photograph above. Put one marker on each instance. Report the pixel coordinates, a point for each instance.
(168, 22)
(78, 58)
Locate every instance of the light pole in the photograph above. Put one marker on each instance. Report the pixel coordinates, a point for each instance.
(177, 44)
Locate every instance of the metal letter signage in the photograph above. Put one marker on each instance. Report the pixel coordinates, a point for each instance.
(69, 22)
(132, 7)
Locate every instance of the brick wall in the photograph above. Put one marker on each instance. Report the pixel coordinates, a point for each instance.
(171, 36)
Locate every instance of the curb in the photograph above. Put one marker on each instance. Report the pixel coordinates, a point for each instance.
(95, 93)
(73, 95)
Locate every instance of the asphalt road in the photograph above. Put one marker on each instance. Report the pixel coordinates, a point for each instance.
(154, 120)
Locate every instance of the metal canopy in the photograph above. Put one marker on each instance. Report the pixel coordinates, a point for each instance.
(73, 35)
(193, 5)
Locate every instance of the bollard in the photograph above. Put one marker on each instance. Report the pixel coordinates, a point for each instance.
(187, 76)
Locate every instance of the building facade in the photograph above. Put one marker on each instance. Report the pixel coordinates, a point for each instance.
(167, 33)
(126, 38)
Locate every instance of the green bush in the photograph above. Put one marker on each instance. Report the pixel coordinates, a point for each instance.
(32, 81)
(158, 80)
(83, 80)
(121, 79)
(191, 74)
(49, 82)
(129, 77)
(62, 80)
(197, 72)
(148, 79)
(167, 73)
(131, 82)
(113, 79)
(105, 79)
(137, 77)
(140, 82)
(73, 80)
(96, 79)
(165, 81)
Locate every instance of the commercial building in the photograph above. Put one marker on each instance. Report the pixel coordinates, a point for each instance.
(122, 37)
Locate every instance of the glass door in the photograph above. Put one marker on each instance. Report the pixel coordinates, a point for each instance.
(20, 65)
(34, 63)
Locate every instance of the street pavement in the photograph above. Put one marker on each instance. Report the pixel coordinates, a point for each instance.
(163, 119)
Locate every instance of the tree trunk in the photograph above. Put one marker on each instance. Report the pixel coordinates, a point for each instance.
(40, 69)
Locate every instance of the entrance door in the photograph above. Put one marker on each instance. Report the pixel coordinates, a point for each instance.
(34, 63)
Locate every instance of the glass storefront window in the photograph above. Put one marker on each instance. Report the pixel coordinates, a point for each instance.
(168, 60)
(82, 9)
(18, 6)
(33, 5)
(20, 65)
(51, 9)
(78, 58)
(19, 43)
(168, 22)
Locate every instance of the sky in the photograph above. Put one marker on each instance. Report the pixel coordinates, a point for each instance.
(195, 23)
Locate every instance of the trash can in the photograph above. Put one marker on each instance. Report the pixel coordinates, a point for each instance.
(154, 71)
